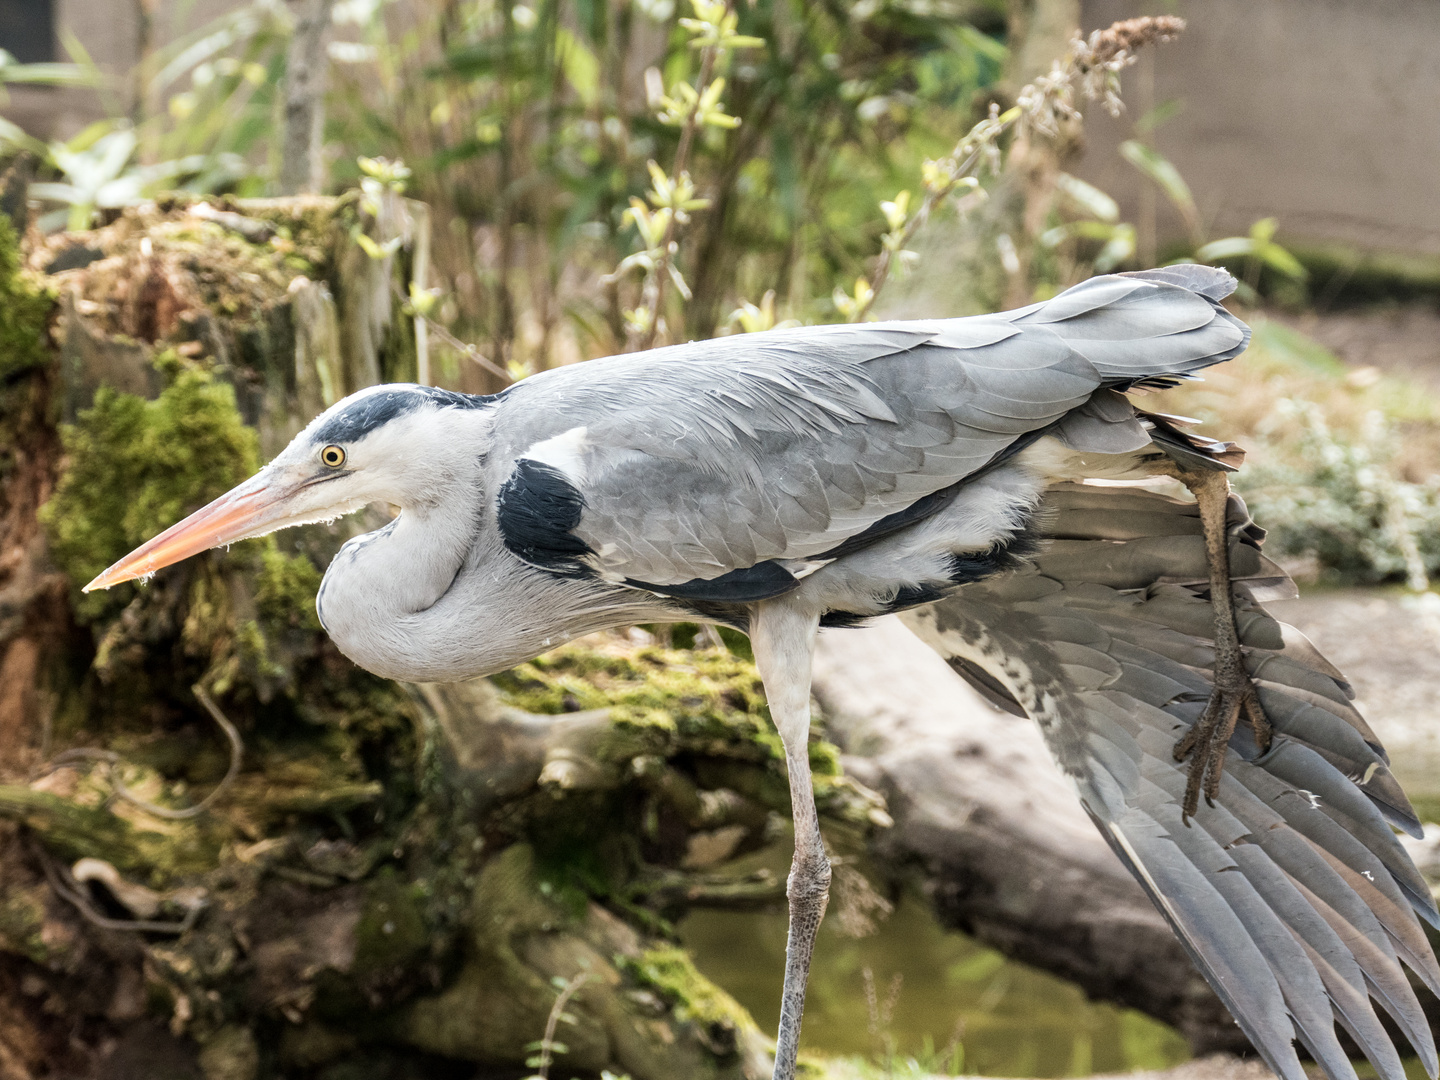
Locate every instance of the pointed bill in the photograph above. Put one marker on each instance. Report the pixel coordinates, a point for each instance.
(251, 509)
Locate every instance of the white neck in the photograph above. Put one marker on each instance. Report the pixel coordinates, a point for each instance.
(379, 583)
(435, 596)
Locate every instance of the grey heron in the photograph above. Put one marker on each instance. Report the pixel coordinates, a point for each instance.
(784, 481)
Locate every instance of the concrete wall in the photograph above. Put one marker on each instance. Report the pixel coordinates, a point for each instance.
(1323, 113)
(110, 32)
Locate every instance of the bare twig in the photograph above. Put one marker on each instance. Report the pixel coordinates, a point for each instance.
(470, 352)
(109, 757)
(548, 1043)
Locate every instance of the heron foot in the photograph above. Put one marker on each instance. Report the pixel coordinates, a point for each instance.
(1232, 692)
(1209, 738)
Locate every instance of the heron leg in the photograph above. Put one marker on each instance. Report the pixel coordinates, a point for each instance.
(1232, 694)
(783, 639)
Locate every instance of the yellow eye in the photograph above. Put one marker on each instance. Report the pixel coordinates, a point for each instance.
(333, 456)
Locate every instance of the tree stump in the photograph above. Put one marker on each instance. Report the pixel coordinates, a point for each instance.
(388, 877)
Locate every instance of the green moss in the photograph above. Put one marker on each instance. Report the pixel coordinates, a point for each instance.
(661, 701)
(285, 589)
(252, 651)
(135, 467)
(25, 306)
(233, 276)
(392, 933)
(75, 832)
(669, 971)
(22, 922)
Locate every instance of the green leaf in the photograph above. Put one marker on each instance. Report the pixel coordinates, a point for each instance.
(1119, 249)
(1166, 110)
(377, 251)
(1277, 258)
(1088, 198)
(993, 49)
(61, 193)
(1229, 248)
(582, 70)
(14, 135)
(1088, 230)
(1263, 231)
(1166, 177)
(45, 74)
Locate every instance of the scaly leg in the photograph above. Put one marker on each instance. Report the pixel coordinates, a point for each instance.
(784, 642)
(1232, 692)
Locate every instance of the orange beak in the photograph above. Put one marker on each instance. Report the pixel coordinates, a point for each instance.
(252, 509)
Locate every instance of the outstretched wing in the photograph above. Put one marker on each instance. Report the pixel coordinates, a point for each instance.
(1291, 892)
(688, 466)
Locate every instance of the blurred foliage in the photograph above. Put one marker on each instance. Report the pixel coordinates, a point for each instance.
(613, 173)
(1344, 464)
(735, 150)
(535, 130)
(530, 129)
(25, 304)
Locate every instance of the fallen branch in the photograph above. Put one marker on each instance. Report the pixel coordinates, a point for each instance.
(65, 887)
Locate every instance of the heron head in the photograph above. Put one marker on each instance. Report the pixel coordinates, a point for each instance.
(394, 443)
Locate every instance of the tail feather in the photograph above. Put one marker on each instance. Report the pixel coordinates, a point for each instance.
(1146, 329)
(1211, 282)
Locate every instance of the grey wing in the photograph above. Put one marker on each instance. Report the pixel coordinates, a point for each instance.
(1291, 893)
(697, 463)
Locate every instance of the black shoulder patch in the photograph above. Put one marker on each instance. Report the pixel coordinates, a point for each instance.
(748, 585)
(360, 418)
(536, 509)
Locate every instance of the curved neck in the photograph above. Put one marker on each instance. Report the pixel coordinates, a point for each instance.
(379, 582)
(414, 602)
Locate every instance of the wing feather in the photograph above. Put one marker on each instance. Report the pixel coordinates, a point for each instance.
(1291, 892)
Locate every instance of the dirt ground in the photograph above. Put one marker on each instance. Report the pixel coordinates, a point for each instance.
(1402, 340)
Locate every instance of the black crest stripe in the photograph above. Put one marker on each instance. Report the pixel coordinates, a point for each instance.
(372, 411)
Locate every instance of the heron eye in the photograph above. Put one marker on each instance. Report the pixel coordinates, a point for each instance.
(333, 456)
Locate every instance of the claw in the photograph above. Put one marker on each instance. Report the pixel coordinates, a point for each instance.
(1209, 738)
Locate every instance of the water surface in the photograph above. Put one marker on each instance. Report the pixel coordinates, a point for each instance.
(1010, 1019)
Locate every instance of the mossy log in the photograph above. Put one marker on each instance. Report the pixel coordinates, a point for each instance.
(396, 877)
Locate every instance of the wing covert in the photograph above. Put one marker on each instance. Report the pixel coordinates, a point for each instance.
(695, 463)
